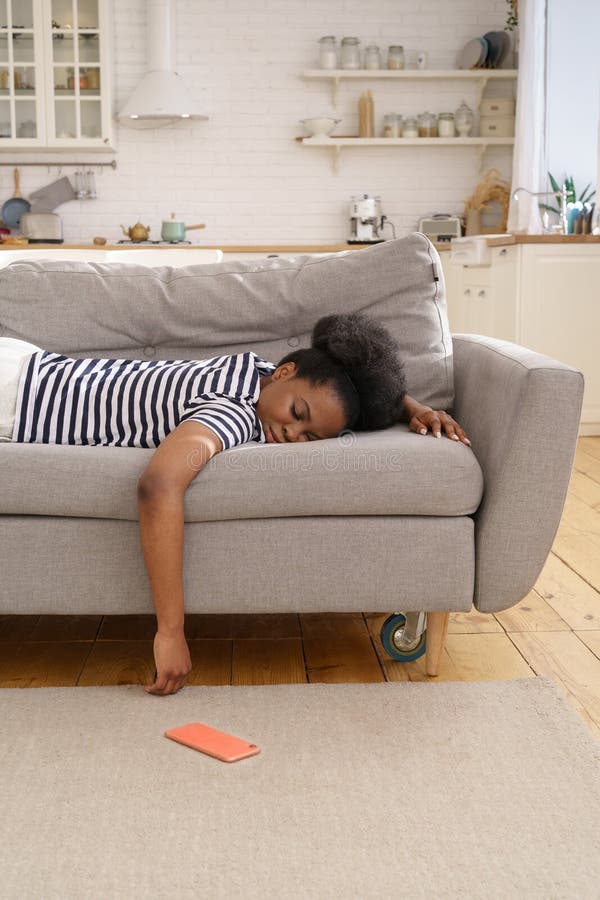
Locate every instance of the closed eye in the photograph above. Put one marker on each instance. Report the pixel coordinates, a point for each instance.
(310, 436)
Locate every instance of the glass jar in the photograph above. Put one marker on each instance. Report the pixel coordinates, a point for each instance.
(350, 53)
(390, 126)
(463, 119)
(410, 127)
(395, 58)
(93, 77)
(328, 54)
(428, 125)
(446, 127)
(372, 57)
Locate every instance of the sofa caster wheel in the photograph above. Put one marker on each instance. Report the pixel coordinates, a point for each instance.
(404, 636)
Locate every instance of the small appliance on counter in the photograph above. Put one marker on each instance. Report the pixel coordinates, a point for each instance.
(42, 228)
(366, 220)
(440, 227)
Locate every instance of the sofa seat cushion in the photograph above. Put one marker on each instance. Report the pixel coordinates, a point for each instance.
(390, 472)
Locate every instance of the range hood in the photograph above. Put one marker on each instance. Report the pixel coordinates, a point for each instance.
(161, 97)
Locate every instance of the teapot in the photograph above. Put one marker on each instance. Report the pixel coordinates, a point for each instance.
(137, 232)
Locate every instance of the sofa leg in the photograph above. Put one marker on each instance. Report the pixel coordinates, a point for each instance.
(437, 628)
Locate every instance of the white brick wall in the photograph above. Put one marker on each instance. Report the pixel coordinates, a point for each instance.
(242, 172)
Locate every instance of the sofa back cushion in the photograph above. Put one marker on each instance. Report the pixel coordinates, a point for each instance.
(130, 311)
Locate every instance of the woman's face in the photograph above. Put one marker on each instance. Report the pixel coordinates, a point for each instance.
(293, 409)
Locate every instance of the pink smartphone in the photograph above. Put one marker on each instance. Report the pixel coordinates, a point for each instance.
(215, 743)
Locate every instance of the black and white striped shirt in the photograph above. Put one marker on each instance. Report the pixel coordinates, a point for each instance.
(136, 403)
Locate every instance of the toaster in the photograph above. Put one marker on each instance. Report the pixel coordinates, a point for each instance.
(42, 228)
(441, 227)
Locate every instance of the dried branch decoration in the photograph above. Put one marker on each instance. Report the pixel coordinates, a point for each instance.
(491, 189)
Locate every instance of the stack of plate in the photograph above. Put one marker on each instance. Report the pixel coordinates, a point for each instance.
(487, 52)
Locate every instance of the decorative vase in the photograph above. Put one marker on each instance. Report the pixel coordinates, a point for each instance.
(473, 223)
(463, 120)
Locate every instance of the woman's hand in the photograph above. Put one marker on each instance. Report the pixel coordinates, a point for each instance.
(173, 663)
(421, 418)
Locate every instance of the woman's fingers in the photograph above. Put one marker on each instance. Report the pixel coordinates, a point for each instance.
(416, 424)
(454, 431)
(435, 421)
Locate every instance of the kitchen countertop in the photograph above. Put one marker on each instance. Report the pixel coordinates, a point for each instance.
(544, 239)
(226, 248)
(308, 248)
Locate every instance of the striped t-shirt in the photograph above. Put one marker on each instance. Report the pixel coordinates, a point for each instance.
(136, 403)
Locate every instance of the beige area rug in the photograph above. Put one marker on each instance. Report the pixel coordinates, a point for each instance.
(445, 790)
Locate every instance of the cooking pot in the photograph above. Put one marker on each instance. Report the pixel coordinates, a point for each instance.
(175, 231)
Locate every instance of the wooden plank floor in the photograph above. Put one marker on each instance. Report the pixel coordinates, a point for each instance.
(554, 632)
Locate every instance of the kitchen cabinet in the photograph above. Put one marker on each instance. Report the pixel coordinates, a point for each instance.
(144, 256)
(54, 74)
(483, 299)
(542, 296)
(559, 313)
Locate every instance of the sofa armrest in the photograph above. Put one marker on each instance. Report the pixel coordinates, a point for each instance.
(521, 410)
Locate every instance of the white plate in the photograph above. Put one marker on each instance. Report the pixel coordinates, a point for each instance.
(471, 54)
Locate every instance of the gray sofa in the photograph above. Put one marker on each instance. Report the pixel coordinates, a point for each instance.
(375, 521)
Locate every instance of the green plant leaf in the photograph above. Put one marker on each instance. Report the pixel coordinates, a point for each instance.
(555, 186)
(585, 198)
(550, 208)
(581, 196)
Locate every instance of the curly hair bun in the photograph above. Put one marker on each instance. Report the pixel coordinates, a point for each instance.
(370, 355)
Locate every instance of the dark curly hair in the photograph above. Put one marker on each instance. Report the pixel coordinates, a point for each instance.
(359, 359)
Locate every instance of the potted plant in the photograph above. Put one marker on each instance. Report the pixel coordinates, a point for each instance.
(575, 205)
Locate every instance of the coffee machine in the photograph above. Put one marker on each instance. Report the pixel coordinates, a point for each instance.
(366, 220)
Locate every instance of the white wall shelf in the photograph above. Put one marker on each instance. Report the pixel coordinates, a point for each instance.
(479, 76)
(336, 144)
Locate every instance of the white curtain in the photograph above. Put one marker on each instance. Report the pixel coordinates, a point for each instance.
(530, 151)
(596, 213)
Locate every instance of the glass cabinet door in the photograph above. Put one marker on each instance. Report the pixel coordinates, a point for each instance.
(21, 102)
(76, 82)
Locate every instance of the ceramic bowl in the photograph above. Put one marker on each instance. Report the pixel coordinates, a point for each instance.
(320, 125)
